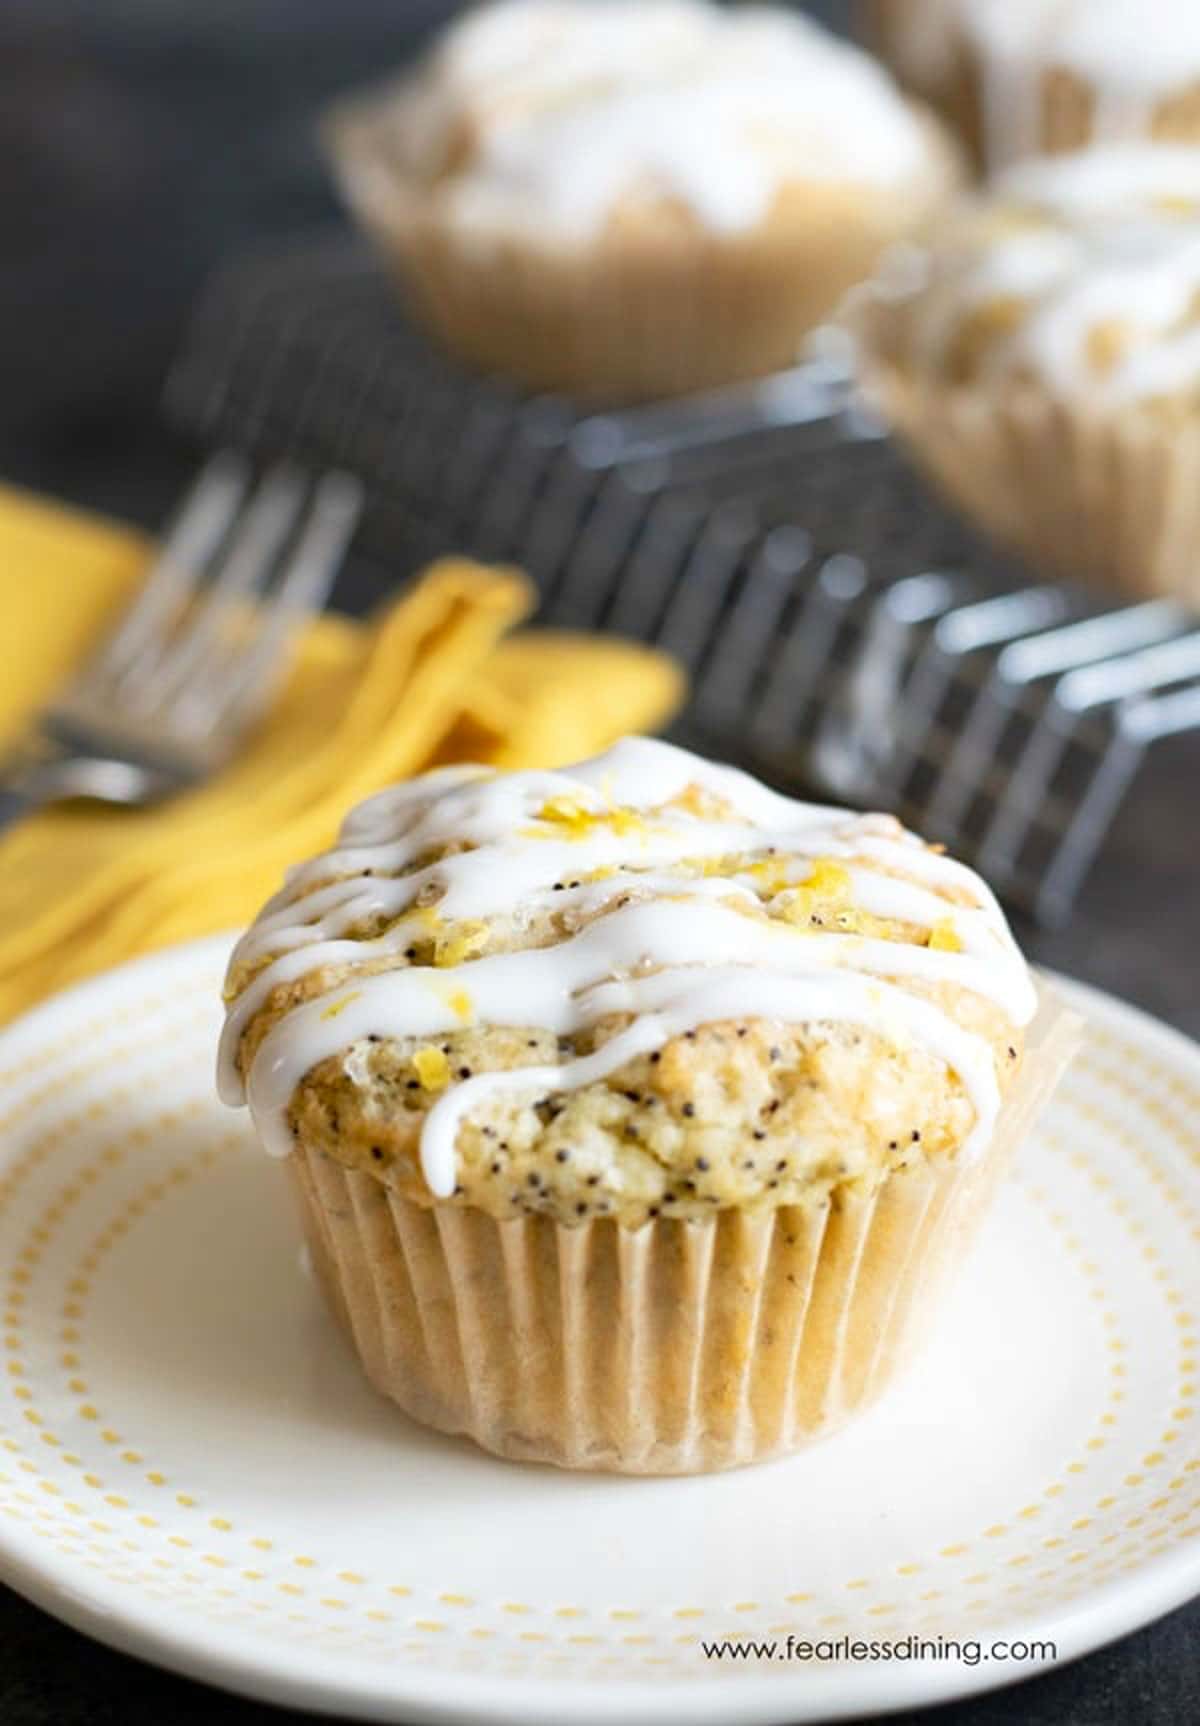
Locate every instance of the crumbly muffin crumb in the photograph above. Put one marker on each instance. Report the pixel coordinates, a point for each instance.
(732, 1114)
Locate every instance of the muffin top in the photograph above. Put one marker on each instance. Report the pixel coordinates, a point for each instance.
(642, 985)
(1078, 273)
(557, 116)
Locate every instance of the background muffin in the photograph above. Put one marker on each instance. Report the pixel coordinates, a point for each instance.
(636, 1111)
(1042, 362)
(630, 200)
(922, 42)
(1026, 77)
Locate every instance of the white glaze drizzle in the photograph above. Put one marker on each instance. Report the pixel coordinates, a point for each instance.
(1110, 236)
(571, 106)
(669, 946)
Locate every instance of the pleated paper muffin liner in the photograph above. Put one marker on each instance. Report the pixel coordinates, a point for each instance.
(679, 1347)
(1109, 498)
(654, 307)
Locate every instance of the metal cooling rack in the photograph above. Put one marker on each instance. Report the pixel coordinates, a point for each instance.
(841, 632)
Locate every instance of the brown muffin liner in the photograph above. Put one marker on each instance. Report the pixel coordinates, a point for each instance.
(1114, 500)
(655, 306)
(680, 1347)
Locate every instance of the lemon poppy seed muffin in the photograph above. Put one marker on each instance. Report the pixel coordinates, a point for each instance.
(631, 198)
(1043, 362)
(1023, 78)
(636, 1069)
(922, 43)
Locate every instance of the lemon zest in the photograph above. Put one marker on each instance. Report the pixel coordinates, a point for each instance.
(828, 879)
(771, 873)
(336, 1007)
(574, 820)
(433, 1069)
(827, 888)
(569, 813)
(463, 942)
(626, 821)
(945, 938)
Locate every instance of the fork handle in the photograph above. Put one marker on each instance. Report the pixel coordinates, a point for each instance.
(45, 772)
(31, 775)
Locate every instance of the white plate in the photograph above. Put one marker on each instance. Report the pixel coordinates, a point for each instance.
(193, 1470)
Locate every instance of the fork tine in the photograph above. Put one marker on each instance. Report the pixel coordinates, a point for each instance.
(258, 539)
(188, 546)
(229, 702)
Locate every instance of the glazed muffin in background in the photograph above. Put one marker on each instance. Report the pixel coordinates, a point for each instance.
(635, 198)
(1041, 361)
(1030, 77)
(637, 1113)
(921, 42)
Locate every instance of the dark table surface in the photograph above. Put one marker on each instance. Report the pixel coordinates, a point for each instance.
(140, 144)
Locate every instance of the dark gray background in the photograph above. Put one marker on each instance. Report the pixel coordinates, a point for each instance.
(141, 141)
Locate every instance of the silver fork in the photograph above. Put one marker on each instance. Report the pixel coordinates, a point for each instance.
(194, 662)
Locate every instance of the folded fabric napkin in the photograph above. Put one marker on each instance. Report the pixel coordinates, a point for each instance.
(433, 677)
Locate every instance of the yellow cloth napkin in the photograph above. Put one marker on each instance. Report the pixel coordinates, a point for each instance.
(431, 678)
